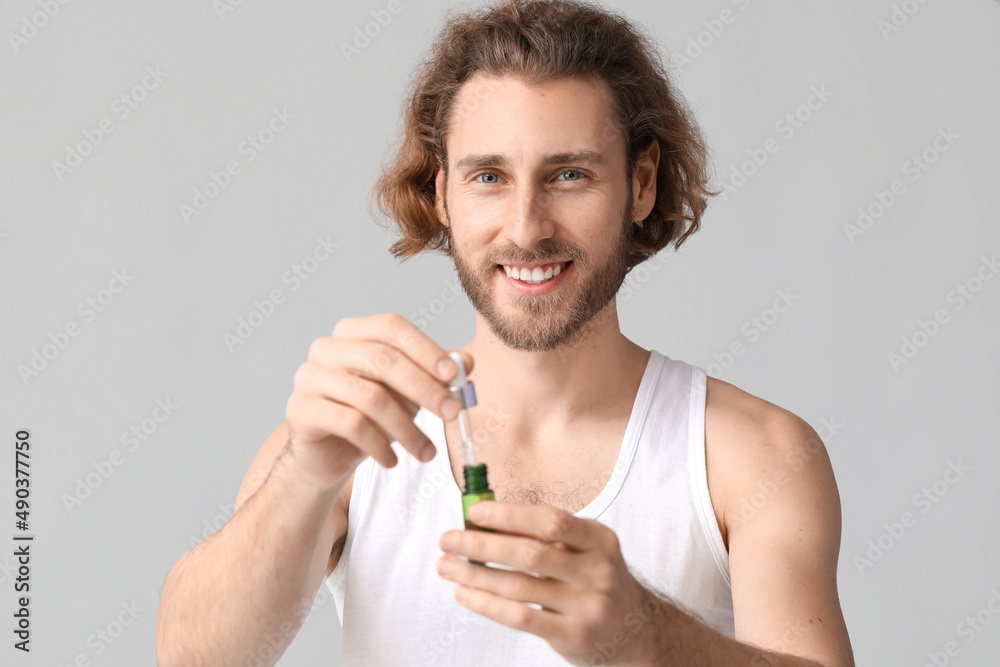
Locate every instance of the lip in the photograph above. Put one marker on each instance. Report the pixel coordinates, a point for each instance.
(539, 289)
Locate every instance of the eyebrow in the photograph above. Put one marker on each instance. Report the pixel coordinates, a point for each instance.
(499, 160)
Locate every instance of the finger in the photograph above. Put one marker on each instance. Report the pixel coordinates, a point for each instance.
(542, 522)
(542, 623)
(375, 403)
(411, 407)
(549, 593)
(330, 418)
(397, 331)
(527, 555)
(380, 362)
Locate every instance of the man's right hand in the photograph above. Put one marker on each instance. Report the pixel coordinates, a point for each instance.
(360, 390)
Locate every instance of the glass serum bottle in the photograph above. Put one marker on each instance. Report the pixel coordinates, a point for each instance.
(476, 485)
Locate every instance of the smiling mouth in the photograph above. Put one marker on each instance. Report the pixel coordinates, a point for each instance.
(534, 276)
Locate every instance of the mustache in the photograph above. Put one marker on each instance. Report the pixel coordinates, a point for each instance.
(567, 255)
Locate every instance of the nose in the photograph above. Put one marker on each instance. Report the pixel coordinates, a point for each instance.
(531, 215)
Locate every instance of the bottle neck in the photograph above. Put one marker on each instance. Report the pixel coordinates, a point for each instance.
(475, 479)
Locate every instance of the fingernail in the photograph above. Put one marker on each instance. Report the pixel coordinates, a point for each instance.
(450, 407)
(427, 453)
(447, 368)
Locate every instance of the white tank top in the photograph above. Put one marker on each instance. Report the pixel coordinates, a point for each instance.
(396, 610)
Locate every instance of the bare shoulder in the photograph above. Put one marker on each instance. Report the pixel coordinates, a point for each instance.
(776, 499)
(752, 449)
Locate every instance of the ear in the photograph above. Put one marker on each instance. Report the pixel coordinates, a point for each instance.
(644, 181)
(439, 197)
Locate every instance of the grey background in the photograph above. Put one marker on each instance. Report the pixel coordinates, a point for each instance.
(162, 337)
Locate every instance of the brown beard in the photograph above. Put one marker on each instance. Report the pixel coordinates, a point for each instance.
(559, 318)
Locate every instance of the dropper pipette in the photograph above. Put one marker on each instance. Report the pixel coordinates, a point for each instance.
(465, 392)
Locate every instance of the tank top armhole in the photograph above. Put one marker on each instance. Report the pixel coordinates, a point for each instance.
(698, 471)
(360, 493)
(359, 500)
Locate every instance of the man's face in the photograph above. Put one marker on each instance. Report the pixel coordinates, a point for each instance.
(536, 174)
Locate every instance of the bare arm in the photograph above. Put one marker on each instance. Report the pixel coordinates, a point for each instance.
(245, 592)
(251, 584)
(782, 556)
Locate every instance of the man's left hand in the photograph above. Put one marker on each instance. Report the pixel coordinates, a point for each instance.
(592, 606)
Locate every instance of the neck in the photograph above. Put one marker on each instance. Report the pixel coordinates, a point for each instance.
(541, 396)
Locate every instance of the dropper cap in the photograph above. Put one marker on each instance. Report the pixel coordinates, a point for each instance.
(461, 388)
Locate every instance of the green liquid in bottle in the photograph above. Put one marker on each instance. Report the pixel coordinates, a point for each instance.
(476, 489)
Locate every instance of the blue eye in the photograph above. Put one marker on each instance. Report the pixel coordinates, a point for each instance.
(494, 178)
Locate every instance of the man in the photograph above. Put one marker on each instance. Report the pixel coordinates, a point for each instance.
(545, 152)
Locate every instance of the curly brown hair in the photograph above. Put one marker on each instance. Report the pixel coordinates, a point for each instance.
(536, 41)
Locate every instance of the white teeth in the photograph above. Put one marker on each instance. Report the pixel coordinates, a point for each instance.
(532, 276)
